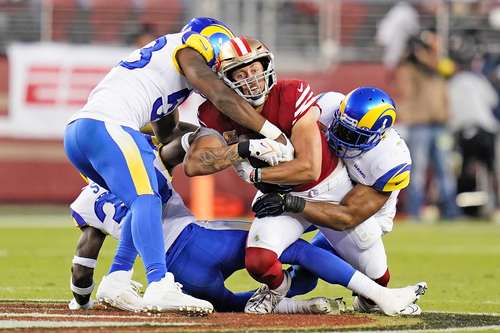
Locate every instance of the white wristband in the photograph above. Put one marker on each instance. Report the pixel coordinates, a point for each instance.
(86, 262)
(270, 131)
(185, 141)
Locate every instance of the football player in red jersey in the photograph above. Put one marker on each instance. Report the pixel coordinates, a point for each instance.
(246, 65)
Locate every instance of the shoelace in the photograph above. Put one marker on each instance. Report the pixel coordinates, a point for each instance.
(136, 287)
(264, 293)
(178, 286)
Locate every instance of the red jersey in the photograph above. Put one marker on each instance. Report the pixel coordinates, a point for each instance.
(287, 102)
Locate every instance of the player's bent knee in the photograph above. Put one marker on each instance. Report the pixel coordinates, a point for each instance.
(258, 260)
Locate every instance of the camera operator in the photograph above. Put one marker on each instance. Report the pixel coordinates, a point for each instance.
(472, 103)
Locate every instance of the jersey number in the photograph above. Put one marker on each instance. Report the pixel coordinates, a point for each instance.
(107, 198)
(146, 54)
(173, 101)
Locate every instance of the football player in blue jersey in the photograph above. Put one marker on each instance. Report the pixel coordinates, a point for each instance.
(378, 161)
(104, 143)
(201, 254)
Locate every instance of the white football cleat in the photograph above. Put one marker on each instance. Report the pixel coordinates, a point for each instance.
(395, 301)
(265, 300)
(74, 306)
(411, 310)
(166, 295)
(362, 305)
(117, 290)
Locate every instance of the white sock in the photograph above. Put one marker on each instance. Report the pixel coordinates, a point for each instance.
(284, 286)
(288, 305)
(366, 287)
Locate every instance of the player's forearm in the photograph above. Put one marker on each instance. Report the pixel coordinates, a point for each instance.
(292, 173)
(224, 98)
(358, 205)
(210, 160)
(334, 216)
(166, 128)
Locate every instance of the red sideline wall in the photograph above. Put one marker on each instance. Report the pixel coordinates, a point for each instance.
(37, 171)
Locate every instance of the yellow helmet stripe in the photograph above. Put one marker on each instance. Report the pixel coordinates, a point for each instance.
(369, 119)
(214, 28)
(344, 102)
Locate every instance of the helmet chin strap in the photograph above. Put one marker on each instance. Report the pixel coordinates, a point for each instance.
(257, 102)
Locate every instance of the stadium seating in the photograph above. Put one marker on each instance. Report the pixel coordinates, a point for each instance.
(165, 16)
(62, 18)
(107, 18)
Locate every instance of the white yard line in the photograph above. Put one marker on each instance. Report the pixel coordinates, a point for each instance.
(78, 324)
(70, 315)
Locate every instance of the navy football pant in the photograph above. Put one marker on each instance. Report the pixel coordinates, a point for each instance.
(201, 259)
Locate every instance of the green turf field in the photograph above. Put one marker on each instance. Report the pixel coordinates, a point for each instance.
(460, 262)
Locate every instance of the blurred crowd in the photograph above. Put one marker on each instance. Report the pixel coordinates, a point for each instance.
(448, 102)
(444, 75)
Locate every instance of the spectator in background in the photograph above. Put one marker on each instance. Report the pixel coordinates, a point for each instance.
(472, 102)
(394, 30)
(423, 109)
(144, 35)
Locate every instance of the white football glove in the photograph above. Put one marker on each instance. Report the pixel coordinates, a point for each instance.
(288, 152)
(243, 169)
(73, 305)
(267, 150)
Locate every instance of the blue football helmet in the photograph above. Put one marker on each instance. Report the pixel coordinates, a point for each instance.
(361, 120)
(217, 33)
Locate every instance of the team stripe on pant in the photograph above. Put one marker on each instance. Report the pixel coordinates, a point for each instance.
(133, 158)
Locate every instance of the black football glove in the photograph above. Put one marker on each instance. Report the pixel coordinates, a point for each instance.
(274, 204)
(269, 188)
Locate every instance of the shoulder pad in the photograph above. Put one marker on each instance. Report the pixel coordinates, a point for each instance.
(197, 42)
(395, 179)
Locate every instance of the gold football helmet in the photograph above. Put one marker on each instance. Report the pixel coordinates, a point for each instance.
(239, 52)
